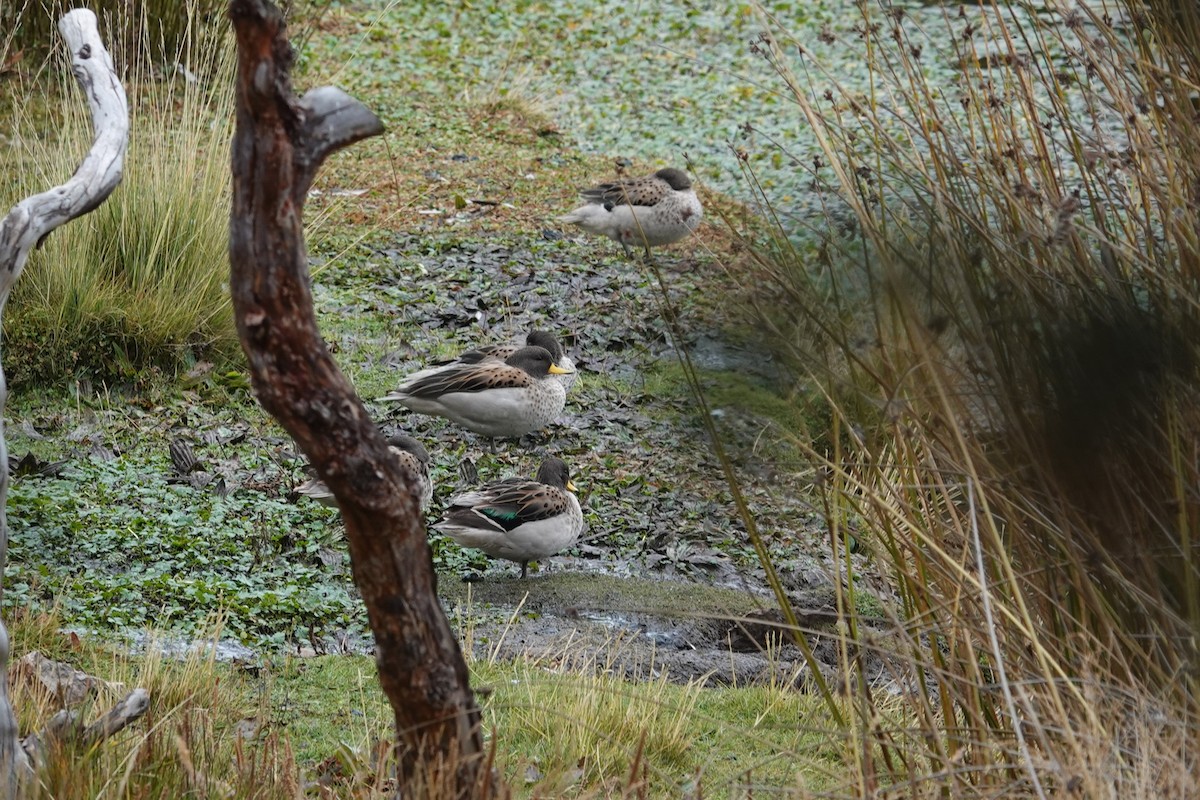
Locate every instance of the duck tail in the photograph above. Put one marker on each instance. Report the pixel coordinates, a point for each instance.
(592, 217)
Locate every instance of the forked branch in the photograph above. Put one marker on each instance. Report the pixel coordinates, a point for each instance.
(279, 144)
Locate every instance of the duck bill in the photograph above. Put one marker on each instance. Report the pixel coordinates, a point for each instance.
(571, 487)
(555, 369)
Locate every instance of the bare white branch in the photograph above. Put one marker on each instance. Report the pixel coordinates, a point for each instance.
(131, 708)
(22, 230)
(66, 726)
(35, 217)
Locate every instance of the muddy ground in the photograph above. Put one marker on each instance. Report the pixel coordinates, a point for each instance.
(644, 628)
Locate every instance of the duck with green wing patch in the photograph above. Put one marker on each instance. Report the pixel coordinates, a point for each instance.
(518, 519)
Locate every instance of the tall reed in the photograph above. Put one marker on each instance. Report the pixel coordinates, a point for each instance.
(999, 305)
(141, 31)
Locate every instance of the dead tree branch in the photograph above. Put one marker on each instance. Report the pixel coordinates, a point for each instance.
(23, 229)
(32, 220)
(278, 145)
(66, 726)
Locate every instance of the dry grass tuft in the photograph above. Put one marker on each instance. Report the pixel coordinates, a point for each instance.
(140, 283)
(145, 31)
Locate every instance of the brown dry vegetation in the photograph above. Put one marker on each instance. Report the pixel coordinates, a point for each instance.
(1000, 312)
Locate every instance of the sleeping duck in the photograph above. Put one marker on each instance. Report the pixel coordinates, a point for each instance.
(518, 519)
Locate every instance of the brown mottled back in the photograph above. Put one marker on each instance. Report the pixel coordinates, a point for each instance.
(520, 370)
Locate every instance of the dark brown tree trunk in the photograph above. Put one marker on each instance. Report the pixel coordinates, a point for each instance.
(278, 145)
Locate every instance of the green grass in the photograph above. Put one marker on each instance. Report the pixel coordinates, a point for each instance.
(565, 733)
(561, 733)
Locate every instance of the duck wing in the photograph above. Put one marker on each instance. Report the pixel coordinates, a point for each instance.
(505, 505)
(486, 374)
(488, 352)
(647, 191)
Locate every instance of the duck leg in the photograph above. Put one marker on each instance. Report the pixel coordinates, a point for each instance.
(524, 569)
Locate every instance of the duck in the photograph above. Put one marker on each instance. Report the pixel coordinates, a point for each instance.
(500, 352)
(413, 457)
(653, 210)
(496, 399)
(518, 519)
